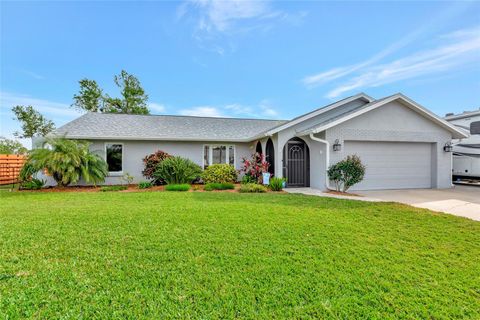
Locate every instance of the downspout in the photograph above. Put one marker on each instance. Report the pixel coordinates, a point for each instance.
(327, 159)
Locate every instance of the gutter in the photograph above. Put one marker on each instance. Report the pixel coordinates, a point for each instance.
(327, 159)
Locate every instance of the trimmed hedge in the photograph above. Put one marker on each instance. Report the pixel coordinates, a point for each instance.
(177, 187)
(219, 186)
(113, 188)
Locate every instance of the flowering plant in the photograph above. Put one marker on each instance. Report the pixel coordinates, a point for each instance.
(255, 167)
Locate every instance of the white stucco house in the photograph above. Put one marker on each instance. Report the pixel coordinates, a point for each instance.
(400, 142)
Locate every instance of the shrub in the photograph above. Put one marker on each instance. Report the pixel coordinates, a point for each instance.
(177, 187)
(145, 185)
(276, 184)
(151, 163)
(178, 170)
(113, 188)
(68, 161)
(33, 184)
(127, 177)
(346, 173)
(248, 179)
(219, 186)
(252, 188)
(27, 171)
(255, 167)
(220, 173)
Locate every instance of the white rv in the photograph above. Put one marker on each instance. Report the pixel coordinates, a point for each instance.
(466, 152)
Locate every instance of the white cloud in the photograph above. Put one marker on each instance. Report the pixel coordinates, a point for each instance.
(217, 15)
(267, 109)
(32, 74)
(439, 18)
(217, 21)
(51, 108)
(203, 111)
(463, 48)
(262, 110)
(156, 107)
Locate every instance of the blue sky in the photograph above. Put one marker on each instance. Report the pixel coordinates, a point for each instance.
(242, 59)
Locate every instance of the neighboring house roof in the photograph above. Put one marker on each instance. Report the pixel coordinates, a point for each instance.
(161, 127)
(465, 114)
(338, 119)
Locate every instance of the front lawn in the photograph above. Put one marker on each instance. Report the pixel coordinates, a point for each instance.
(229, 255)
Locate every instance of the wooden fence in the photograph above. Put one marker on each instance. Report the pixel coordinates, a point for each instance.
(10, 166)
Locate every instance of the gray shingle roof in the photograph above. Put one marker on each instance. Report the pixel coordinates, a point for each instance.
(163, 127)
(336, 114)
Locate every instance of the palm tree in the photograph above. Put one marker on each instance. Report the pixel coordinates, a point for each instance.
(68, 161)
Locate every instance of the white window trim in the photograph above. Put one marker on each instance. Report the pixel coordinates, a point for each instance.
(114, 173)
(210, 153)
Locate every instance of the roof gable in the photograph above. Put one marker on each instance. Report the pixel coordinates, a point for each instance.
(320, 111)
(456, 133)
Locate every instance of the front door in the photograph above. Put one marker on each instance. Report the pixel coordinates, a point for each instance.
(296, 163)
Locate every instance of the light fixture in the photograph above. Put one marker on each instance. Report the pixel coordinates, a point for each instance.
(337, 146)
(448, 147)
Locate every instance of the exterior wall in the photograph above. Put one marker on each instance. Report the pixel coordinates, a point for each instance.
(396, 122)
(135, 151)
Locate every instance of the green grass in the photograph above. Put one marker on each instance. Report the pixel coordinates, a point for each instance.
(177, 187)
(230, 255)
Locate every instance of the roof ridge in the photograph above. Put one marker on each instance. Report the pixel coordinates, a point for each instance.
(182, 116)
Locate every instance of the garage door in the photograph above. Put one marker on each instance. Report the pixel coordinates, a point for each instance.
(393, 165)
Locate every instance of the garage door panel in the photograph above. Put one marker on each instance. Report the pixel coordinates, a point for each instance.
(392, 165)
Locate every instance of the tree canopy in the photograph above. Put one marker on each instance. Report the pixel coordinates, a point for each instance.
(133, 97)
(8, 146)
(33, 123)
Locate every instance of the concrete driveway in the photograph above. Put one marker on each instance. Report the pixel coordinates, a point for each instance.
(463, 201)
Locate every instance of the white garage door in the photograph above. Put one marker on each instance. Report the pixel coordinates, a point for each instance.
(393, 165)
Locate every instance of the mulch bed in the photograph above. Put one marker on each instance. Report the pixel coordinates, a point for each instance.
(131, 188)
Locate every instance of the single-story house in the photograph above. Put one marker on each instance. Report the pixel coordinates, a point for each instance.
(400, 142)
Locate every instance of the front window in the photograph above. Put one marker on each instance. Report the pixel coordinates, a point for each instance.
(114, 157)
(218, 154)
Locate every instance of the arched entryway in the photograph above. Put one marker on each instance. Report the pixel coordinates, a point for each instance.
(258, 147)
(270, 156)
(296, 163)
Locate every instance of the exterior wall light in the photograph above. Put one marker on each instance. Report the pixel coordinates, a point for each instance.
(448, 147)
(337, 146)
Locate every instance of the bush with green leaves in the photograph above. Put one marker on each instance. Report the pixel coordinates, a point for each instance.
(177, 187)
(68, 161)
(248, 179)
(276, 184)
(151, 163)
(219, 186)
(346, 173)
(145, 185)
(220, 173)
(33, 184)
(252, 188)
(178, 170)
(113, 188)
